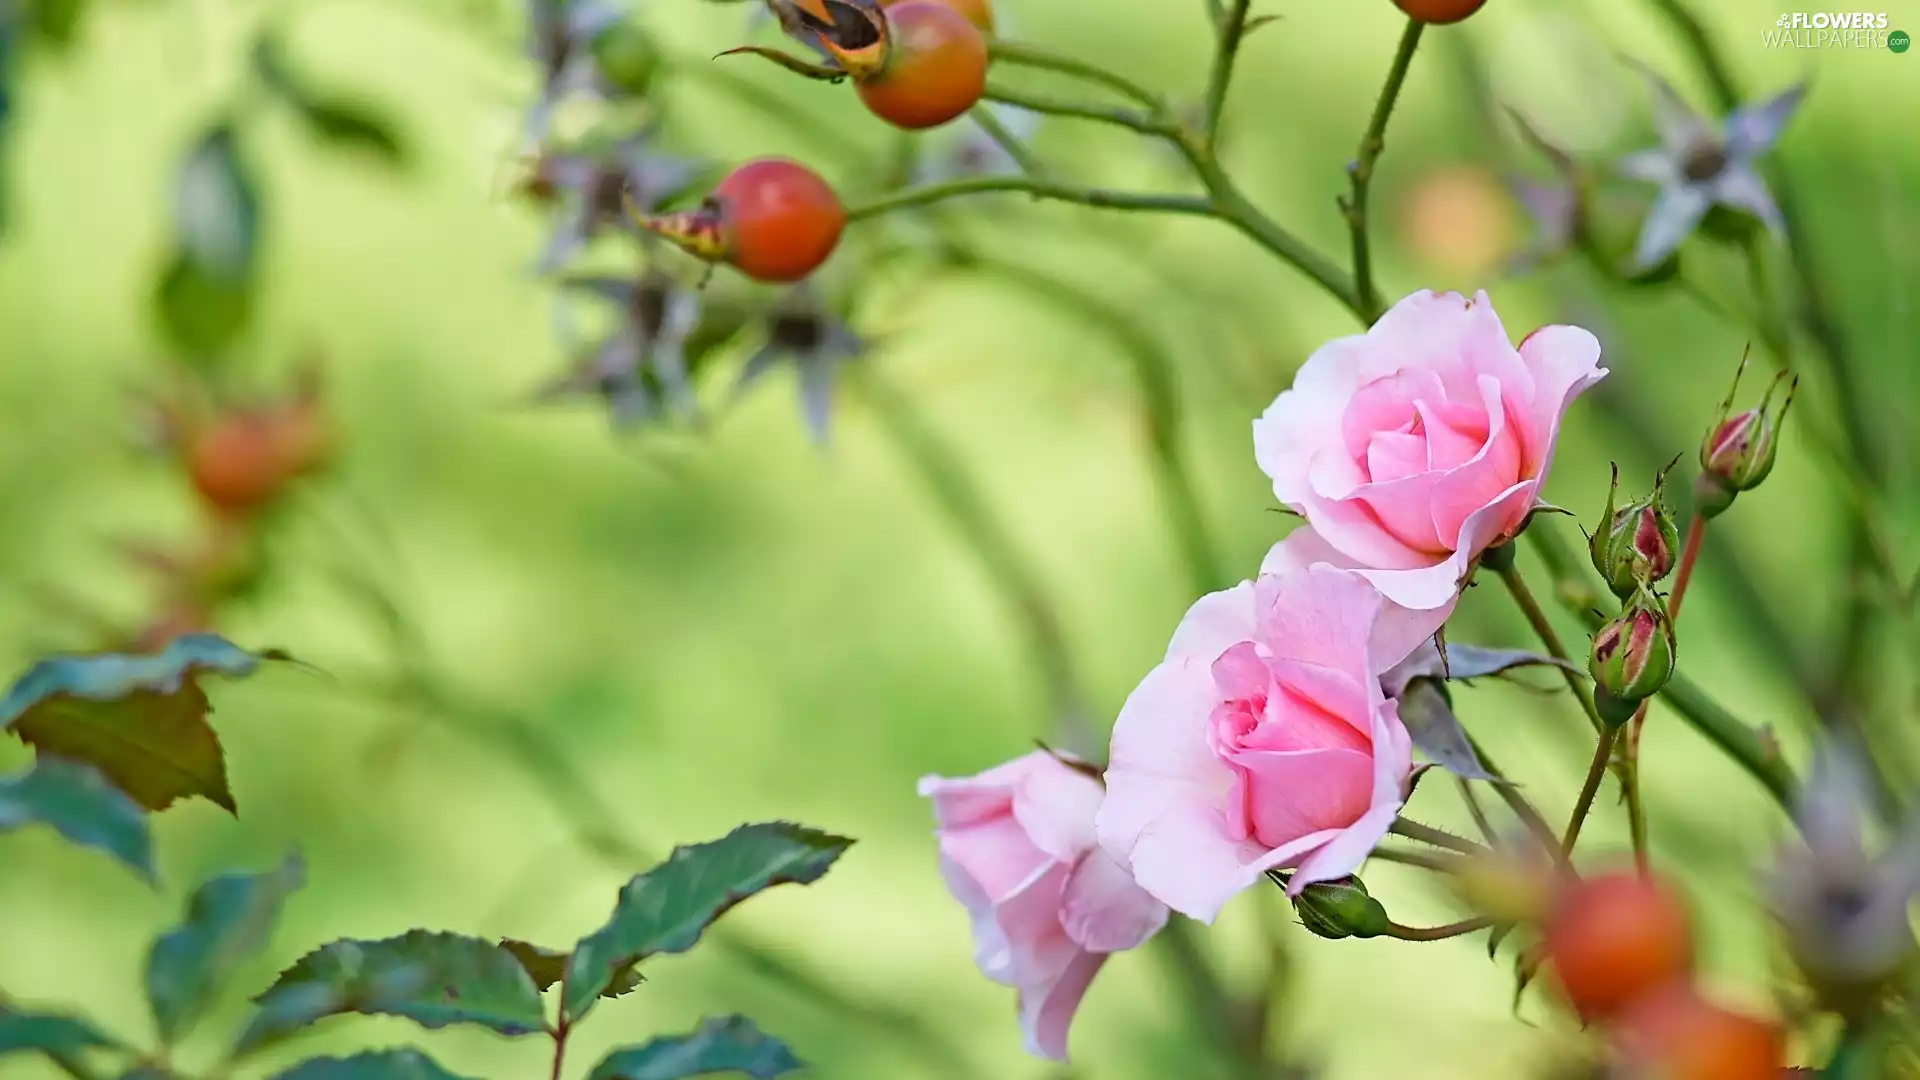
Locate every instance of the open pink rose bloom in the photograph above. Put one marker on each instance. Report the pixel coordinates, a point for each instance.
(1263, 741)
(1017, 849)
(1415, 446)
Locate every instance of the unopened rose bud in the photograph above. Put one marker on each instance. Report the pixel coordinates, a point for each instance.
(1635, 545)
(1739, 452)
(1633, 656)
(1341, 909)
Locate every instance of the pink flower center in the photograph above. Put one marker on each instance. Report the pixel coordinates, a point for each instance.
(1271, 734)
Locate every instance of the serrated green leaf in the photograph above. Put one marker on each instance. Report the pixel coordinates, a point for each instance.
(666, 909)
(141, 720)
(80, 803)
(373, 1065)
(547, 966)
(433, 979)
(730, 1044)
(228, 919)
(58, 1037)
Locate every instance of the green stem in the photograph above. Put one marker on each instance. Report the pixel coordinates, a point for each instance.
(1439, 838)
(1034, 186)
(1132, 119)
(940, 467)
(1372, 144)
(1521, 806)
(1437, 933)
(1231, 28)
(1476, 811)
(1006, 140)
(1596, 772)
(1542, 627)
(1023, 55)
(1439, 864)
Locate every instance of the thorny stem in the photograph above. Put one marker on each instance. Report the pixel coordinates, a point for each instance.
(1437, 933)
(1689, 554)
(1630, 763)
(1596, 772)
(1476, 811)
(1231, 28)
(1361, 171)
(1522, 808)
(1439, 864)
(1537, 619)
(1439, 838)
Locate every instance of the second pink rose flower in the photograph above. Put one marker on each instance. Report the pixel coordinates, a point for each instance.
(1412, 448)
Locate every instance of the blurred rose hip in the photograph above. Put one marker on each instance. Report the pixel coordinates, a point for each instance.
(1676, 1034)
(1439, 11)
(1616, 938)
(1017, 849)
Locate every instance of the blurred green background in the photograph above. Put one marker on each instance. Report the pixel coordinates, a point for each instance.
(731, 626)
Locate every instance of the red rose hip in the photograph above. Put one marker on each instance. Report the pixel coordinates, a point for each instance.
(1439, 11)
(1616, 938)
(772, 219)
(936, 67)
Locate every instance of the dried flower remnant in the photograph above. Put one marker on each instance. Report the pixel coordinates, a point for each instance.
(1699, 168)
(804, 334)
(596, 191)
(642, 359)
(1842, 909)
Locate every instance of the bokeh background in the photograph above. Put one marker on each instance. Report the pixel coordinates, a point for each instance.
(703, 629)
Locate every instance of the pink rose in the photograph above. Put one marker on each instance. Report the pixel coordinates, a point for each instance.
(1414, 447)
(1018, 850)
(1263, 740)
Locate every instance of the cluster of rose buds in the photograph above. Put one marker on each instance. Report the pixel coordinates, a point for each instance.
(1634, 548)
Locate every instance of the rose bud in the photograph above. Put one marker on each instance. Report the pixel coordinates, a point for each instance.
(1633, 656)
(1635, 545)
(1341, 909)
(1738, 453)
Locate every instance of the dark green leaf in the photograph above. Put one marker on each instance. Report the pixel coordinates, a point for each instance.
(354, 125)
(83, 806)
(373, 1065)
(547, 966)
(228, 919)
(59, 1037)
(725, 1045)
(433, 979)
(344, 122)
(199, 312)
(667, 908)
(1475, 662)
(141, 720)
(56, 22)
